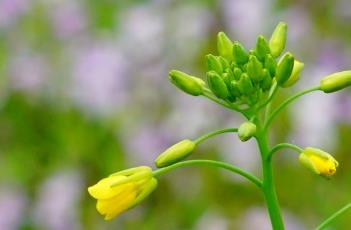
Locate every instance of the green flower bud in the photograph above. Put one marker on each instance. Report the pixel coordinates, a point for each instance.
(320, 162)
(224, 63)
(213, 63)
(240, 55)
(254, 69)
(270, 64)
(262, 48)
(175, 153)
(237, 73)
(278, 39)
(267, 80)
(189, 84)
(246, 131)
(336, 81)
(224, 46)
(234, 89)
(295, 75)
(284, 69)
(217, 85)
(245, 84)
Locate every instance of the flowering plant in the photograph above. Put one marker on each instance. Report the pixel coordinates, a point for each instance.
(245, 82)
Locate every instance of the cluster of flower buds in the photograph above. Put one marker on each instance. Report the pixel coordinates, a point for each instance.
(243, 77)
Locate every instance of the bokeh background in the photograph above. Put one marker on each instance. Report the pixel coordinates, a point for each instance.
(84, 93)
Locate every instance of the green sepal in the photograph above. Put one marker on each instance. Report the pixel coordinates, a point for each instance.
(245, 85)
(189, 84)
(224, 63)
(270, 64)
(217, 85)
(237, 73)
(234, 89)
(267, 80)
(295, 75)
(213, 63)
(262, 48)
(278, 39)
(254, 69)
(224, 46)
(240, 55)
(284, 69)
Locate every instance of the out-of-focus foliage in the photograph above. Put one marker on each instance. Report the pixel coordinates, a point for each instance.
(84, 93)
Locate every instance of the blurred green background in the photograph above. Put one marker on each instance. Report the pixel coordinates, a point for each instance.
(84, 93)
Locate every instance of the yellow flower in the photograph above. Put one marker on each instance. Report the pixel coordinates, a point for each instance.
(122, 190)
(318, 161)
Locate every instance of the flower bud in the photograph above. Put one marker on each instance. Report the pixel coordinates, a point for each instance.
(175, 153)
(237, 73)
(295, 75)
(240, 55)
(267, 80)
(224, 46)
(318, 161)
(246, 131)
(217, 85)
(214, 64)
(234, 89)
(278, 39)
(245, 84)
(284, 69)
(270, 64)
(189, 84)
(336, 81)
(224, 63)
(254, 69)
(262, 48)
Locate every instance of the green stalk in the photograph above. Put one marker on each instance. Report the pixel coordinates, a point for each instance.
(214, 133)
(334, 216)
(211, 163)
(268, 183)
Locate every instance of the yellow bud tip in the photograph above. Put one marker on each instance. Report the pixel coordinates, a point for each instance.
(118, 193)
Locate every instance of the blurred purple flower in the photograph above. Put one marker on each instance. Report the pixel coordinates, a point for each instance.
(99, 77)
(28, 71)
(11, 10)
(12, 205)
(212, 221)
(57, 202)
(68, 18)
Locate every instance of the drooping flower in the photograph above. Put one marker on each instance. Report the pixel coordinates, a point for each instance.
(318, 161)
(122, 190)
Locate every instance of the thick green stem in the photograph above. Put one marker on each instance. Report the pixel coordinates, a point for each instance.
(334, 216)
(268, 184)
(211, 163)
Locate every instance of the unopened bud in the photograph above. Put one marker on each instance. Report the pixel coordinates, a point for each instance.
(254, 69)
(278, 39)
(318, 161)
(175, 153)
(336, 81)
(224, 46)
(217, 85)
(246, 131)
(270, 64)
(267, 80)
(295, 75)
(245, 84)
(213, 63)
(284, 69)
(234, 89)
(240, 55)
(262, 48)
(189, 84)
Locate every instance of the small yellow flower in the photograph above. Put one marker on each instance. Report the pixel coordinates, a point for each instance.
(318, 161)
(122, 190)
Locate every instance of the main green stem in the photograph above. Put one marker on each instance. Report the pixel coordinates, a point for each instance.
(268, 184)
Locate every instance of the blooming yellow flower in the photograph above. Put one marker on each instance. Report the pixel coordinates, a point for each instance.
(318, 161)
(122, 190)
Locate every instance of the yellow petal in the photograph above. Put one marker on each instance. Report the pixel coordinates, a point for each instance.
(114, 206)
(103, 190)
(325, 167)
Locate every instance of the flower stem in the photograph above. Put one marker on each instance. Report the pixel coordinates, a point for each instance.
(286, 102)
(284, 145)
(214, 133)
(334, 216)
(268, 184)
(211, 163)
